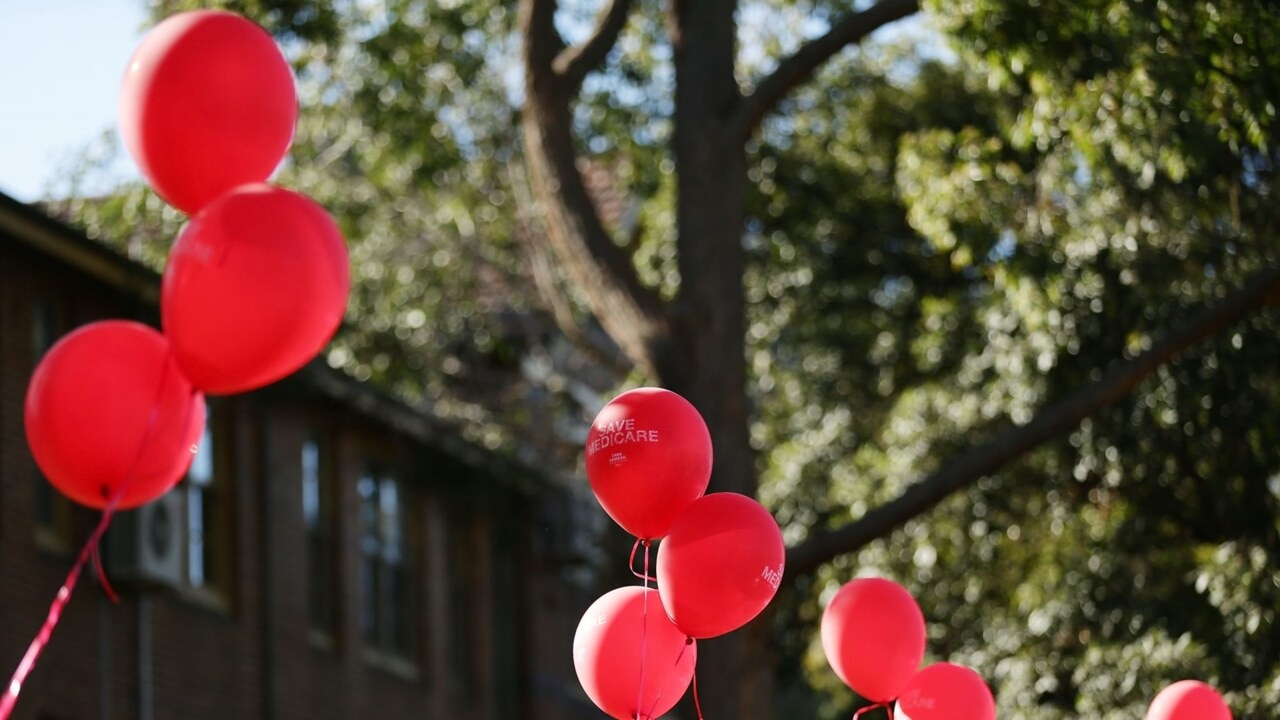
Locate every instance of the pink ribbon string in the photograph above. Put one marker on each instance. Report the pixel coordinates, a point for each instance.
(887, 706)
(697, 705)
(679, 656)
(631, 562)
(90, 549)
(644, 621)
(60, 600)
(101, 572)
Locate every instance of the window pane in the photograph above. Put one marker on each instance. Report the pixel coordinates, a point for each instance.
(370, 542)
(201, 471)
(320, 596)
(399, 625)
(369, 594)
(320, 521)
(44, 327)
(391, 522)
(370, 548)
(44, 502)
(195, 536)
(386, 574)
(52, 509)
(311, 484)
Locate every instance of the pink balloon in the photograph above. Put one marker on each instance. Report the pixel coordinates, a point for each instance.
(1188, 700)
(944, 691)
(720, 564)
(648, 457)
(873, 636)
(207, 103)
(107, 406)
(618, 640)
(255, 286)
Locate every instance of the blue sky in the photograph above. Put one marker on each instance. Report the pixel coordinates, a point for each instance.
(60, 68)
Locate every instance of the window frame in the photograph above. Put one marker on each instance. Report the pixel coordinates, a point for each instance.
(214, 586)
(52, 512)
(379, 611)
(322, 539)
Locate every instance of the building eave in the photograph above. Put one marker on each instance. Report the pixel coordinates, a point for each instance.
(50, 237)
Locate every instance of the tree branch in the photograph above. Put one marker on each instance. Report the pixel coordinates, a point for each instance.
(1050, 422)
(589, 339)
(573, 63)
(632, 314)
(798, 67)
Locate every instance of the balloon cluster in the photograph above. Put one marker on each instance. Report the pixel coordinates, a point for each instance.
(1188, 700)
(873, 635)
(255, 285)
(720, 556)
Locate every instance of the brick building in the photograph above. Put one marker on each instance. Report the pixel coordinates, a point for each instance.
(331, 553)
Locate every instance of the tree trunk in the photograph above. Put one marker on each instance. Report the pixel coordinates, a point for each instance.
(708, 315)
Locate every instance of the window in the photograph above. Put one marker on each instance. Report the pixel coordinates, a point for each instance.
(320, 522)
(386, 562)
(52, 508)
(208, 562)
(199, 484)
(464, 583)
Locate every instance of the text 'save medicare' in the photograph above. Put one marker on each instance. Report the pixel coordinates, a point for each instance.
(619, 432)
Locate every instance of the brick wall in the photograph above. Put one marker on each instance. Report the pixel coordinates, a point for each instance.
(493, 625)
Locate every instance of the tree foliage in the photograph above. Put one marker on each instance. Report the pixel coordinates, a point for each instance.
(1091, 179)
(981, 302)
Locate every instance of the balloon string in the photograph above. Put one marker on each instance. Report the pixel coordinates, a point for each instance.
(644, 624)
(90, 548)
(102, 576)
(631, 563)
(888, 708)
(60, 601)
(696, 705)
(688, 641)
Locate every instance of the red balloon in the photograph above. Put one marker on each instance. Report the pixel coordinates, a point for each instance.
(648, 457)
(616, 635)
(944, 691)
(108, 406)
(873, 637)
(207, 103)
(1188, 700)
(720, 564)
(255, 286)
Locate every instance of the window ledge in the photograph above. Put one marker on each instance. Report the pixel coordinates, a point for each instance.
(209, 599)
(392, 665)
(53, 542)
(322, 641)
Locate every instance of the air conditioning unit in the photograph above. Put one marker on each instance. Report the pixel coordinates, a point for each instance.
(144, 546)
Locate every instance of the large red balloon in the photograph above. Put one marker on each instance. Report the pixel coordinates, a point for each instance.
(944, 691)
(256, 284)
(720, 564)
(618, 634)
(207, 103)
(108, 406)
(873, 635)
(648, 457)
(1188, 700)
